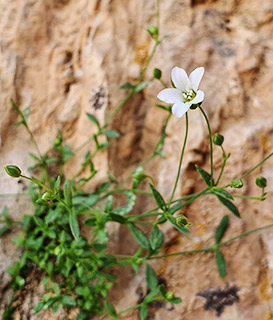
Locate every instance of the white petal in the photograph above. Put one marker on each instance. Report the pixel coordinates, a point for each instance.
(196, 76)
(180, 108)
(180, 79)
(170, 95)
(199, 97)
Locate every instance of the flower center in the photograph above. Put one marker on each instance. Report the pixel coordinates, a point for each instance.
(188, 95)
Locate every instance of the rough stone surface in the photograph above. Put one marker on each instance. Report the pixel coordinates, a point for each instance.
(65, 58)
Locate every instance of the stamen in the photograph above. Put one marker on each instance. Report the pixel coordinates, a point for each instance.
(188, 95)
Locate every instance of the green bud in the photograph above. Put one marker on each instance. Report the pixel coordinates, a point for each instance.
(182, 221)
(218, 139)
(13, 171)
(47, 196)
(153, 31)
(169, 295)
(237, 183)
(194, 106)
(157, 73)
(261, 182)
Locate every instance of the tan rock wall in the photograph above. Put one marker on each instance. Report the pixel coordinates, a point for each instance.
(56, 55)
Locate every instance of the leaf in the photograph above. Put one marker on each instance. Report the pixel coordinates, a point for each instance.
(26, 113)
(3, 230)
(158, 198)
(86, 201)
(74, 224)
(175, 300)
(109, 203)
(221, 263)
(223, 193)
(111, 309)
(221, 229)
(52, 215)
(151, 278)
(68, 193)
(205, 176)
(111, 133)
(131, 199)
(39, 307)
(69, 301)
(140, 237)
(143, 311)
(117, 218)
(93, 119)
(33, 156)
(230, 206)
(57, 184)
(141, 86)
(126, 85)
(67, 153)
(157, 238)
(167, 108)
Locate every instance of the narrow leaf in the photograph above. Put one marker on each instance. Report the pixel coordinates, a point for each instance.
(221, 229)
(206, 176)
(93, 119)
(69, 301)
(172, 220)
(230, 206)
(158, 198)
(151, 278)
(126, 85)
(68, 193)
(141, 86)
(143, 311)
(140, 237)
(74, 225)
(111, 309)
(131, 199)
(223, 193)
(157, 238)
(221, 263)
(111, 133)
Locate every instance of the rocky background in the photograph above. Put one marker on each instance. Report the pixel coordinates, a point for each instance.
(56, 55)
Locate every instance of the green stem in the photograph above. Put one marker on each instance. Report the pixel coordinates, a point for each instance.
(36, 181)
(259, 164)
(129, 309)
(210, 141)
(246, 197)
(180, 161)
(223, 165)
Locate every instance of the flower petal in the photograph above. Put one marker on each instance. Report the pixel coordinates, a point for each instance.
(170, 95)
(180, 79)
(199, 97)
(196, 76)
(180, 108)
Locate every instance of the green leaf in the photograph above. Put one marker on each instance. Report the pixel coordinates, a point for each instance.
(33, 156)
(223, 193)
(167, 108)
(205, 176)
(74, 225)
(230, 206)
(26, 113)
(68, 193)
(109, 203)
(131, 199)
(158, 198)
(57, 184)
(39, 307)
(126, 85)
(118, 218)
(52, 215)
(143, 311)
(175, 300)
(157, 238)
(221, 229)
(140, 237)
(151, 278)
(67, 153)
(141, 86)
(111, 133)
(221, 263)
(69, 301)
(111, 309)
(93, 119)
(3, 230)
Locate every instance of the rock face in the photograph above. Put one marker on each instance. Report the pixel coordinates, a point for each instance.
(65, 58)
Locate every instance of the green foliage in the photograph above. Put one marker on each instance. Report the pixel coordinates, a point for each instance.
(221, 229)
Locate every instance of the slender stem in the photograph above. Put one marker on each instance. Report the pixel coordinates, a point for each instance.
(210, 141)
(36, 181)
(248, 198)
(181, 159)
(259, 164)
(223, 165)
(130, 309)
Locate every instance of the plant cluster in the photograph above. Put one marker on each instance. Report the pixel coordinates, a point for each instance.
(76, 271)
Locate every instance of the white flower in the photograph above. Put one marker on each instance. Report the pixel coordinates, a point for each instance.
(185, 92)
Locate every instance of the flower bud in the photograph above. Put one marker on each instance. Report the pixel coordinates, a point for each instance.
(47, 196)
(261, 182)
(218, 139)
(157, 73)
(182, 221)
(13, 171)
(236, 183)
(153, 31)
(169, 295)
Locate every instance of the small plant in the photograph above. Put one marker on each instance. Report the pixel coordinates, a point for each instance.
(76, 271)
